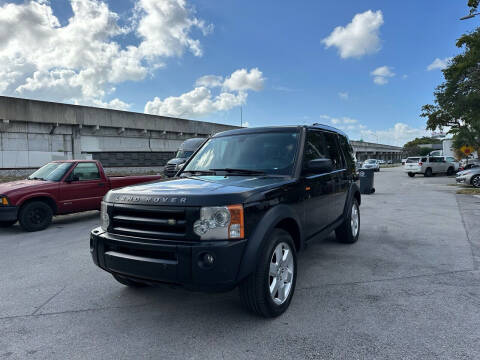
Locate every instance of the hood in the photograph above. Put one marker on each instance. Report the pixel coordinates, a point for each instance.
(469, 171)
(196, 191)
(176, 161)
(12, 186)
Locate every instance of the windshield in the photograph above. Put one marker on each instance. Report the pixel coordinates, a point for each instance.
(183, 154)
(370, 161)
(52, 172)
(270, 153)
(413, 160)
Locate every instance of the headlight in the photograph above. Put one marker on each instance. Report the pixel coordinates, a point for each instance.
(220, 222)
(104, 217)
(180, 166)
(4, 201)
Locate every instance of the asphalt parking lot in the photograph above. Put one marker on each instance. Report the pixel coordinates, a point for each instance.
(410, 289)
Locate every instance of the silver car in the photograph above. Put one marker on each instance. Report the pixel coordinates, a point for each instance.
(470, 176)
(371, 164)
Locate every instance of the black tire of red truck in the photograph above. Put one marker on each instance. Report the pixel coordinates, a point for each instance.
(35, 216)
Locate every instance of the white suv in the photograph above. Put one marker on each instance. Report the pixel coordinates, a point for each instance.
(429, 165)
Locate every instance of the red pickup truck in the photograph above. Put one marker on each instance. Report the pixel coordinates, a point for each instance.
(59, 187)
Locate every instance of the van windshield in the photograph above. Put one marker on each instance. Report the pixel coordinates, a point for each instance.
(183, 154)
(269, 153)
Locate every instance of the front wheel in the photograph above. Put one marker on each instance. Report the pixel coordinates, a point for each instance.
(35, 216)
(428, 172)
(476, 181)
(349, 231)
(450, 171)
(269, 289)
(411, 174)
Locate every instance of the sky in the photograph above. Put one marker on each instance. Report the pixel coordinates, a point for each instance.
(365, 67)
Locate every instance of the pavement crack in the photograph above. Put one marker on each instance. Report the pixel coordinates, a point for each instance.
(48, 300)
(388, 279)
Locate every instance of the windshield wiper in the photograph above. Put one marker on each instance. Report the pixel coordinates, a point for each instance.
(241, 171)
(35, 178)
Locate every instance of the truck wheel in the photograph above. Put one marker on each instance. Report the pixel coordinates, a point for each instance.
(349, 231)
(476, 181)
(411, 174)
(5, 224)
(269, 289)
(428, 172)
(128, 282)
(35, 216)
(450, 171)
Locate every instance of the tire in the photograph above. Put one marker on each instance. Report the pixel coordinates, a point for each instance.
(450, 171)
(255, 290)
(349, 231)
(35, 216)
(128, 282)
(428, 172)
(5, 224)
(411, 174)
(475, 181)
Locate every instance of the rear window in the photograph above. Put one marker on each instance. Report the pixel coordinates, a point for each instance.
(413, 160)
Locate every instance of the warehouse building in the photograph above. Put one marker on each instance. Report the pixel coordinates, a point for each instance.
(33, 133)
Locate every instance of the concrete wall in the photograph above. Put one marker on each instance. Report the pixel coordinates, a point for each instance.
(35, 132)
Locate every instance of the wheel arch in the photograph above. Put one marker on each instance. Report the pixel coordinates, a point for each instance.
(282, 217)
(44, 198)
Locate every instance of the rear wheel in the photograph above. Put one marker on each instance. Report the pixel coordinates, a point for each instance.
(349, 231)
(269, 289)
(5, 224)
(411, 174)
(35, 216)
(128, 282)
(476, 181)
(428, 172)
(450, 171)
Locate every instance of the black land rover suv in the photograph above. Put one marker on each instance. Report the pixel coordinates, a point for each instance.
(237, 214)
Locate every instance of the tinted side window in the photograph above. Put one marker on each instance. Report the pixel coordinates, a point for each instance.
(347, 151)
(315, 146)
(333, 151)
(86, 171)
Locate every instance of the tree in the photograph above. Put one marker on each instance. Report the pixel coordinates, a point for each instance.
(457, 99)
(412, 147)
(473, 5)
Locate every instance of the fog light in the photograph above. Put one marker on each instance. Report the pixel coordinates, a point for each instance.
(208, 259)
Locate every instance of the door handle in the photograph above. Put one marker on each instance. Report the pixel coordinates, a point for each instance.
(101, 184)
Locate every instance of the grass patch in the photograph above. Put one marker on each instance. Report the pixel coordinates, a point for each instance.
(469, 191)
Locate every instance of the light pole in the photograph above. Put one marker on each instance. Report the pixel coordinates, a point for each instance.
(469, 16)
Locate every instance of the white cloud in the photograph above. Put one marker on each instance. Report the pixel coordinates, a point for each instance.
(343, 95)
(381, 75)
(200, 101)
(398, 135)
(339, 121)
(242, 80)
(439, 64)
(359, 37)
(80, 62)
(210, 81)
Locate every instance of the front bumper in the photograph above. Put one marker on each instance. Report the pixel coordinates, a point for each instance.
(8, 213)
(463, 179)
(167, 261)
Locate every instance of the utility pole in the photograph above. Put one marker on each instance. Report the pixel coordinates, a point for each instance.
(241, 116)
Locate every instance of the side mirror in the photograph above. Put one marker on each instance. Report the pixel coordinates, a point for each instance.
(319, 166)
